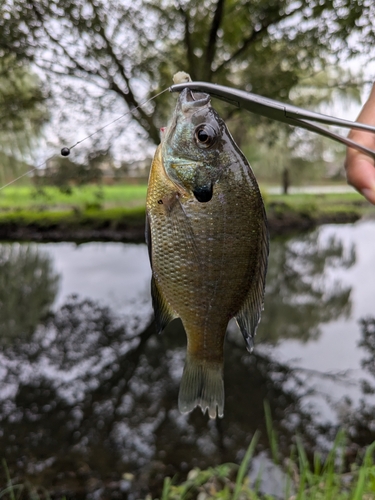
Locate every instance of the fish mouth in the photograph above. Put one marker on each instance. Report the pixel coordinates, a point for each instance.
(190, 100)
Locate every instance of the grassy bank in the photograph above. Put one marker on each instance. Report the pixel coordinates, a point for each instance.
(16, 199)
(121, 195)
(323, 480)
(51, 198)
(110, 211)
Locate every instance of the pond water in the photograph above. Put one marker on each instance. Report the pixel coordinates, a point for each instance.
(88, 391)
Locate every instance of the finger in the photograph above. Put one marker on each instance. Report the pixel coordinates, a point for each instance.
(360, 168)
(360, 172)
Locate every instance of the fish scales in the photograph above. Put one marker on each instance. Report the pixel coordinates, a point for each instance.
(208, 256)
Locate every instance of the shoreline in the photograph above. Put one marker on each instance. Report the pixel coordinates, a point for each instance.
(120, 215)
(130, 230)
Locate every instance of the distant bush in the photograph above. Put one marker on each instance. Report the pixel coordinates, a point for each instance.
(65, 173)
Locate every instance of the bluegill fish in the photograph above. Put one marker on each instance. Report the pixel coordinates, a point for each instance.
(208, 241)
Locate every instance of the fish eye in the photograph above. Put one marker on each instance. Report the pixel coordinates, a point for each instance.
(205, 136)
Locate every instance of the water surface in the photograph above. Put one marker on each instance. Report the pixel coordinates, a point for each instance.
(89, 392)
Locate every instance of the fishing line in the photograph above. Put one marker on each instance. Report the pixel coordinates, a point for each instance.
(66, 151)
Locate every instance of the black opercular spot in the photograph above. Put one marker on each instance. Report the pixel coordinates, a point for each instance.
(203, 194)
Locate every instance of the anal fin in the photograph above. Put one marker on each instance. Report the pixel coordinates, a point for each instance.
(248, 316)
(248, 326)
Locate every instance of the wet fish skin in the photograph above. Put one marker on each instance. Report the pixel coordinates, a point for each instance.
(208, 241)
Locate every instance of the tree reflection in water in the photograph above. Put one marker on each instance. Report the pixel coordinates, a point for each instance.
(93, 402)
(298, 286)
(28, 288)
(84, 399)
(360, 421)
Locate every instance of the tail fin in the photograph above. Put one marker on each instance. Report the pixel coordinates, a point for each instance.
(202, 385)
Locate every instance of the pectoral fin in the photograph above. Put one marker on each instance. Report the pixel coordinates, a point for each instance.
(181, 225)
(148, 237)
(162, 310)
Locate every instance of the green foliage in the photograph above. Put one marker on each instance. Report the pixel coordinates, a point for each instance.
(64, 173)
(274, 149)
(22, 115)
(130, 50)
(24, 490)
(225, 482)
(324, 480)
(21, 100)
(266, 47)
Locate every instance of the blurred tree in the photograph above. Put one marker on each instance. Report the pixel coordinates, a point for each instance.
(65, 173)
(292, 154)
(130, 50)
(292, 157)
(22, 115)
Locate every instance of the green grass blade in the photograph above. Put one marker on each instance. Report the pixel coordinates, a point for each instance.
(334, 464)
(11, 489)
(272, 435)
(166, 488)
(317, 464)
(360, 486)
(244, 466)
(364, 472)
(304, 470)
(9, 482)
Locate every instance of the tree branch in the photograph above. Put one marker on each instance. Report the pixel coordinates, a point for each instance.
(54, 39)
(143, 118)
(211, 46)
(188, 44)
(127, 95)
(252, 37)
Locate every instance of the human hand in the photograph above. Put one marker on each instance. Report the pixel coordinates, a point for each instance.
(360, 168)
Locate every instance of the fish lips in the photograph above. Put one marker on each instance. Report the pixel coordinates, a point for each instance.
(190, 101)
